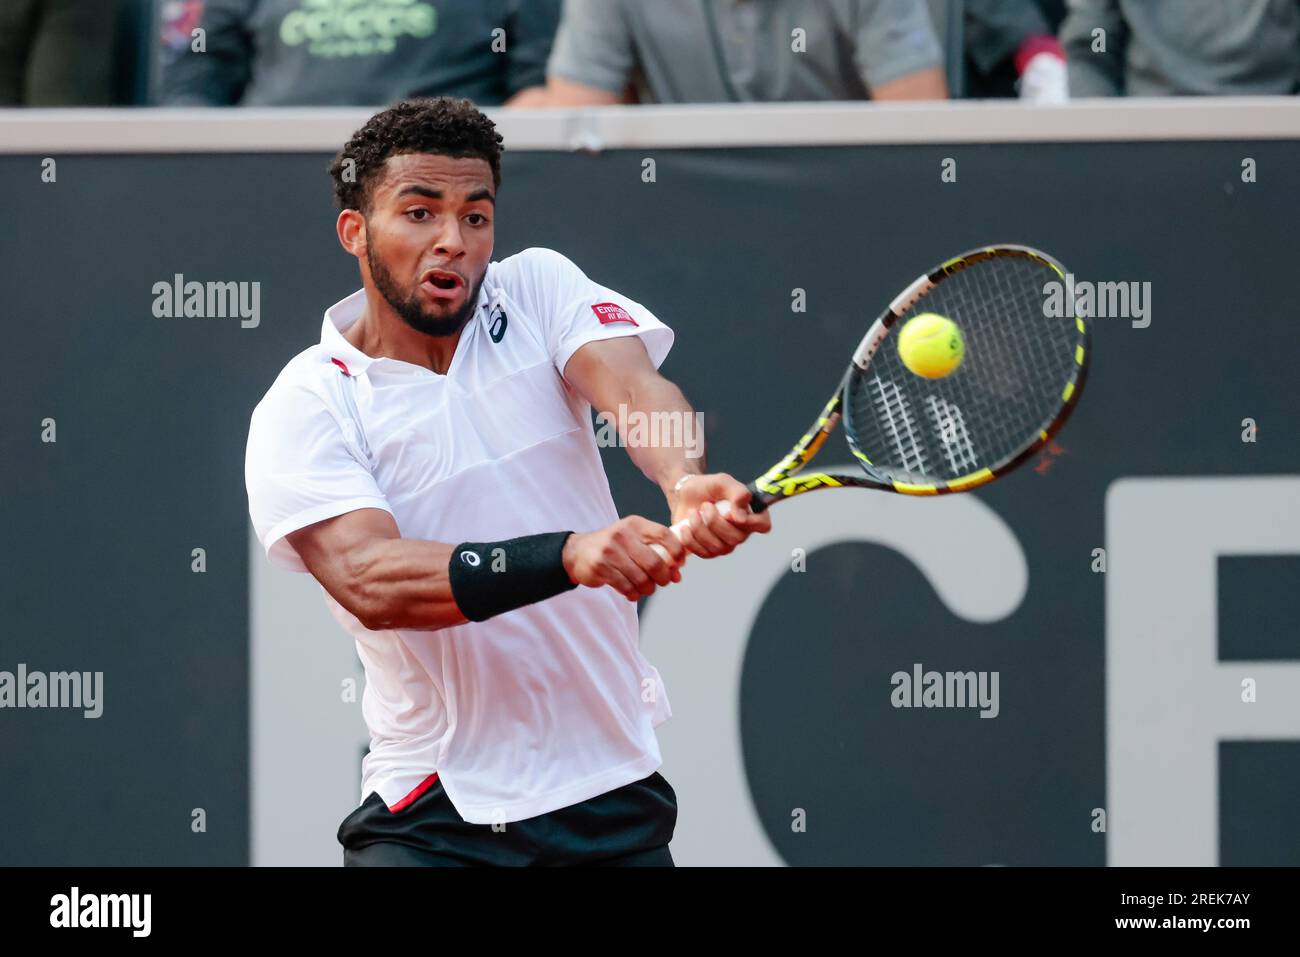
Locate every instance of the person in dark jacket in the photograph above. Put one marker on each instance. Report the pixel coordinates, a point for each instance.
(1011, 49)
(354, 52)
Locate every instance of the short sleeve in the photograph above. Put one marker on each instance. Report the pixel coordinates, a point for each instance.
(593, 45)
(303, 464)
(894, 38)
(575, 310)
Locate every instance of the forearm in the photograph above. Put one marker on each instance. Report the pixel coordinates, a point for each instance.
(533, 96)
(431, 585)
(922, 85)
(401, 583)
(670, 440)
(562, 92)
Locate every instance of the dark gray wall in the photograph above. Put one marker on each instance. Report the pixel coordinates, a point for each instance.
(152, 415)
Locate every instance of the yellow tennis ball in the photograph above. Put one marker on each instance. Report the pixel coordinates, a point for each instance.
(931, 345)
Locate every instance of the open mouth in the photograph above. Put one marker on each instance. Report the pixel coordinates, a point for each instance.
(441, 283)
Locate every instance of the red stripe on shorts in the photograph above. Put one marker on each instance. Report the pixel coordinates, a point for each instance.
(419, 788)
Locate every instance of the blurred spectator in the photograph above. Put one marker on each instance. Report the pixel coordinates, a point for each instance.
(63, 52)
(708, 51)
(1192, 47)
(1011, 50)
(354, 52)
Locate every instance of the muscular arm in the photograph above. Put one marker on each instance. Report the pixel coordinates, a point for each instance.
(385, 580)
(618, 372)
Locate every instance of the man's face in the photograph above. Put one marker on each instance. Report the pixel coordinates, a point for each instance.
(429, 238)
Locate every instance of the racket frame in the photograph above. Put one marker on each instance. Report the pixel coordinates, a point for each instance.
(786, 478)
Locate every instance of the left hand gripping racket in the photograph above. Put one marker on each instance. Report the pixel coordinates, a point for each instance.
(1023, 371)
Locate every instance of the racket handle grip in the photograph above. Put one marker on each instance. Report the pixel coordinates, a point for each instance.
(723, 507)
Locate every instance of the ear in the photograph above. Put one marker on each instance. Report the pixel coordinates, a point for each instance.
(351, 229)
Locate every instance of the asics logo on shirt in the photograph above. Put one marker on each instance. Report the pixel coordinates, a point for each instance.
(497, 330)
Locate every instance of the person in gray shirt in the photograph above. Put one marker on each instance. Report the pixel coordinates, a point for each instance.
(1191, 47)
(709, 51)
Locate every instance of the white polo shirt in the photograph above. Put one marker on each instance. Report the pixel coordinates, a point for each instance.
(532, 710)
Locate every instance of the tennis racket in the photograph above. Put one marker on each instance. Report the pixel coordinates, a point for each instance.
(1021, 376)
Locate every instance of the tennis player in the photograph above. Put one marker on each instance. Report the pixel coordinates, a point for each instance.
(432, 463)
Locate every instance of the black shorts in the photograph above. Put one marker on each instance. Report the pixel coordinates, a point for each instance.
(630, 825)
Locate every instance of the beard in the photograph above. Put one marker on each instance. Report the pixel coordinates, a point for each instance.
(413, 309)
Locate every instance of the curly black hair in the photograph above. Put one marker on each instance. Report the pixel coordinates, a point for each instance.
(445, 125)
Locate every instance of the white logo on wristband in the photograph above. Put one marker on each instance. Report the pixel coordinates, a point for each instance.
(470, 558)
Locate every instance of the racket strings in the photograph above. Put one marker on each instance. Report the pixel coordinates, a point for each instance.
(1008, 388)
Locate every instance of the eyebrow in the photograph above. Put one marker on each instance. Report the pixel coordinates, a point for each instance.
(473, 197)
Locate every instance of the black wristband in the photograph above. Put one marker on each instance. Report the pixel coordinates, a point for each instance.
(488, 578)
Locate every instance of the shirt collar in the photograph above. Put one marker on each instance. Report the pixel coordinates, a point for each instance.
(340, 316)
